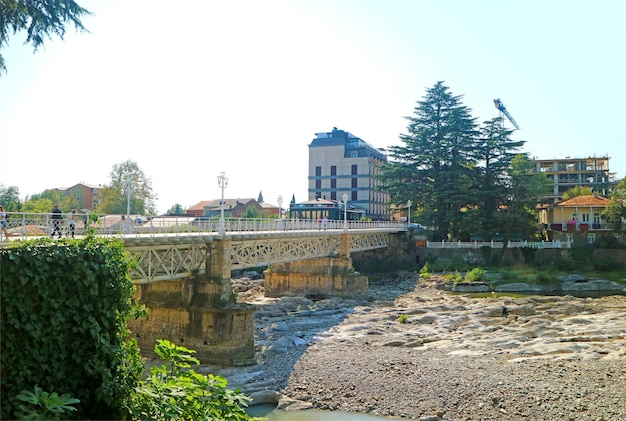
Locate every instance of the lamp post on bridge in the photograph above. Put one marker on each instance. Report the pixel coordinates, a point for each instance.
(222, 182)
(345, 211)
(280, 211)
(127, 182)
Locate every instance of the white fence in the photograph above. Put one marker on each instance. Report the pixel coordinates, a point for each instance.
(497, 244)
(28, 225)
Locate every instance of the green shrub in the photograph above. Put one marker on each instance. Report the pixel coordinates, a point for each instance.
(65, 306)
(424, 271)
(608, 242)
(173, 391)
(403, 318)
(547, 277)
(41, 405)
(475, 275)
(454, 277)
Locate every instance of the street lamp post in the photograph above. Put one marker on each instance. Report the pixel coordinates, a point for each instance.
(127, 186)
(280, 211)
(345, 211)
(408, 203)
(222, 182)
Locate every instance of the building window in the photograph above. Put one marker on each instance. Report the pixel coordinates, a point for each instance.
(333, 170)
(569, 238)
(318, 184)
(354, 170)
(585, 217)
(591, 238)
(333, 195)
(333, 183)
(354, 154)
(318, 171)
(596, 218)
(355, 183)
(355, 195)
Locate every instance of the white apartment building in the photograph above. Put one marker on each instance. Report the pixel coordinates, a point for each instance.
(341, 163)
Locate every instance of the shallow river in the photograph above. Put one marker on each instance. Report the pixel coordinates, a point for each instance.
(272, 414)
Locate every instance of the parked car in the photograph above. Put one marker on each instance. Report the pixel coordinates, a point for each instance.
(416, 226)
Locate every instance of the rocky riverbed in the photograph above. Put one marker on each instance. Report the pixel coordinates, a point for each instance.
(410, 349)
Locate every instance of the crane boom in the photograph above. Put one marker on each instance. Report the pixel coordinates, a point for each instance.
(500, 106)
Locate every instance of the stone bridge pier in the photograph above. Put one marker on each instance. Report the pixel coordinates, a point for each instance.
(321, 277)
(185, 285)
(200, 313)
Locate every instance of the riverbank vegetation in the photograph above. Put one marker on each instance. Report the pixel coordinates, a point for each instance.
(67, 352)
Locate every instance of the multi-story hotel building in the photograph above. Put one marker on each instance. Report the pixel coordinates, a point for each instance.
(568, 173)
(341, 163)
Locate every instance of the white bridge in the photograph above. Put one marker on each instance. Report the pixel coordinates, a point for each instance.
(170, 257)
(172, 248)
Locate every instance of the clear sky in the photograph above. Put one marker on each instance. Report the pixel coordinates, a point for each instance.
(189, 89)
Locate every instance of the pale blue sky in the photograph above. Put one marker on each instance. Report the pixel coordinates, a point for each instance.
(188, 89)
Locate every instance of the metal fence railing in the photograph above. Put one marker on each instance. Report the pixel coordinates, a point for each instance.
(21, 225)
(498, 244)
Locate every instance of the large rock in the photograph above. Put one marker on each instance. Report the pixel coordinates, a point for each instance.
(472, 287)
(583, 285)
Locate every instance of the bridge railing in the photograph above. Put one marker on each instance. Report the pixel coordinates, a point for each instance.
(24, 225)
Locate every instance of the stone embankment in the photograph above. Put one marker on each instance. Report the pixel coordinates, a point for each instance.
(453, 357)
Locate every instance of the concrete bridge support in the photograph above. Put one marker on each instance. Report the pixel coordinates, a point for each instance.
(199, 313)
(318, 277)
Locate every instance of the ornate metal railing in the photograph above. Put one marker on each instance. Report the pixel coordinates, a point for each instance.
(21, 225)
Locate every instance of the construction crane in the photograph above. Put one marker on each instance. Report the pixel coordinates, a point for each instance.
(500, 106)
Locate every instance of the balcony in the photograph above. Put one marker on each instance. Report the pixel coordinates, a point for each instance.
(579, 226)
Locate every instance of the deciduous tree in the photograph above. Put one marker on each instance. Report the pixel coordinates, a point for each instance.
(10, 198)
(615, 212)
(124, 177)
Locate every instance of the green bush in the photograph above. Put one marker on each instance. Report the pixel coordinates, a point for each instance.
(608, 242)
(547, 277)
(65, 306)
(41, 405)
(475, 275)
(173, 391)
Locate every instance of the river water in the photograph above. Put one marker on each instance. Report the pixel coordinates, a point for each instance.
(268, 411)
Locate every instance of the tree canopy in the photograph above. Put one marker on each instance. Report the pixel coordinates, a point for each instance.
(128, 180)
(462, 178)
(615, 212)
(577, 191)
(10, 198)
(40, 19)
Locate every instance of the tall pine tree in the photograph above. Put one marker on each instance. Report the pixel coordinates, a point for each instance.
(494, 151)
(435, 166)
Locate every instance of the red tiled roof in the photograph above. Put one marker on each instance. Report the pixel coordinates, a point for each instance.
(583, 200)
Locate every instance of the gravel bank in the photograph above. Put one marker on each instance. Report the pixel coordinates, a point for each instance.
(455, 358)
